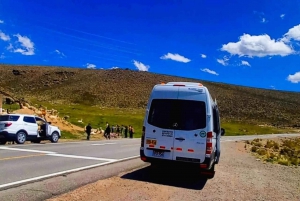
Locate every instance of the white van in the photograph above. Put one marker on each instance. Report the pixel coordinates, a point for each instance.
(182, 124)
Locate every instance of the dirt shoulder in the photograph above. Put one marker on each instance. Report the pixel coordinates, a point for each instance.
(239, 176)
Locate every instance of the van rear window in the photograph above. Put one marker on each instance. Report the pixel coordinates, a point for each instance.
(9, 117)
(177, 114)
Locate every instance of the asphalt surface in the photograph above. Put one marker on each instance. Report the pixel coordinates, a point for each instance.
(24, 163)
(30, 164)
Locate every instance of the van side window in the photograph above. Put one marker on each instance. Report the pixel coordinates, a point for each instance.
(216, 120)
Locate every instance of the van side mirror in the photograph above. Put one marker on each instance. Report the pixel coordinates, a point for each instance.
(222, 131)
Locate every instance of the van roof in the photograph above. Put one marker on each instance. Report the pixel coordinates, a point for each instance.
(188, 84)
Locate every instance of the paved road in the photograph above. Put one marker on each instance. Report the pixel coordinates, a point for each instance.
(20, 164)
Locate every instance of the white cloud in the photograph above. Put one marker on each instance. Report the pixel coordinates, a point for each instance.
(293, 33)
(60, 53)
(282, 16)
(10, 47)
(91, 66)
(245, 63)
(209, 71)
(114, 67)
(2, 56)
(294, 78)
(263, 20)
(4, 37)
(1, 21)
(223, 61)
(203, 56)
(272, 87)
(259, 46)
(141, 66)
(26, 46)
(175, 57)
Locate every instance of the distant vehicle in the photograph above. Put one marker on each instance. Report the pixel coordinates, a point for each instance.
(21, 128)
(182, 124)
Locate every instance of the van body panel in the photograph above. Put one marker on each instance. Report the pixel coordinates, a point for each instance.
(178, 117)
(157, 123)
(190, 140)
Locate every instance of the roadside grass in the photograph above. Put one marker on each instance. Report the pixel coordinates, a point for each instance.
(71, 136)
(238, 128)
(284, 152)
(10, 107)
(98, 116)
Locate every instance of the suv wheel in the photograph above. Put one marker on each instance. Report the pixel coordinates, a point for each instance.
(54, 137)
(3, 142)
(21, 137)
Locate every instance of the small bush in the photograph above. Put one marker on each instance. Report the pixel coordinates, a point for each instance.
(284, 161)
(256, 140)
(254, 149)
(261, 152)
(295, 161)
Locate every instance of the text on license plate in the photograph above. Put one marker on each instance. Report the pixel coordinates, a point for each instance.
(151, 142)
(158, 153)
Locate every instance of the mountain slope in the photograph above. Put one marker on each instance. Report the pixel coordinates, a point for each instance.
(127, 88)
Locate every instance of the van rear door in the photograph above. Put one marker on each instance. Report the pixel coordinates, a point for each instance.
(159, 132)
(190, 134)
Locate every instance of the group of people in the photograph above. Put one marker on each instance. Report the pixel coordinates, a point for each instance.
(118, 130)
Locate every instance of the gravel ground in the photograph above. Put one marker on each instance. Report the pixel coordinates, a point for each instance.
(239, 176)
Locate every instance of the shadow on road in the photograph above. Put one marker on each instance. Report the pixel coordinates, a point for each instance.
(170, 176)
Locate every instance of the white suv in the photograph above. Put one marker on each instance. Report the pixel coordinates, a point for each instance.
(21, 128)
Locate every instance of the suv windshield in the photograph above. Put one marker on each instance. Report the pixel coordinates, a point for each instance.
(184, 114)
(9, 118)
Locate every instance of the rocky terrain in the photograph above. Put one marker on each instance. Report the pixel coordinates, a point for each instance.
(126, 88)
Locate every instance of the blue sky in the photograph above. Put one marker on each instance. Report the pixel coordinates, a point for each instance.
(250, 43)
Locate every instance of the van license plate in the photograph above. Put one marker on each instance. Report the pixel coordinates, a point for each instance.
(157, 153)
(151, 142)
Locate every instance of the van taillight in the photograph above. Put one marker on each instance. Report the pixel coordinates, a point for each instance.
(143, 136)
(7, 124)
(209, 147)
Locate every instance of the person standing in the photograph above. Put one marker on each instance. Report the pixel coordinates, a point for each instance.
(125, 131)
(131, 131)
(88, 130)
(107, 131)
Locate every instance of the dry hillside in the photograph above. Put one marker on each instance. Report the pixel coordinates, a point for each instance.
(127, 88)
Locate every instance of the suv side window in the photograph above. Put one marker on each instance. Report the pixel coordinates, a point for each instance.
(29, 120)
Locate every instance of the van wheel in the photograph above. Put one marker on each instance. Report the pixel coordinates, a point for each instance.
(54, 137)
(3, 142)
(21, 137)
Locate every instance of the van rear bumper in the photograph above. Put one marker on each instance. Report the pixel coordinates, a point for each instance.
(4, 135)
(207, 161)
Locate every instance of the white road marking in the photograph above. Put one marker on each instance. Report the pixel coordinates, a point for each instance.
(63, 172)
(103, 144)
(27, 150)
(82, 157)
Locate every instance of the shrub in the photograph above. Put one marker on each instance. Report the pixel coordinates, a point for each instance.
(261, 152)
(254, 149)
(284, 161)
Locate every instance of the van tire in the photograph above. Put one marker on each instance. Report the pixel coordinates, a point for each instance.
(217, 157)
(3, 142)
